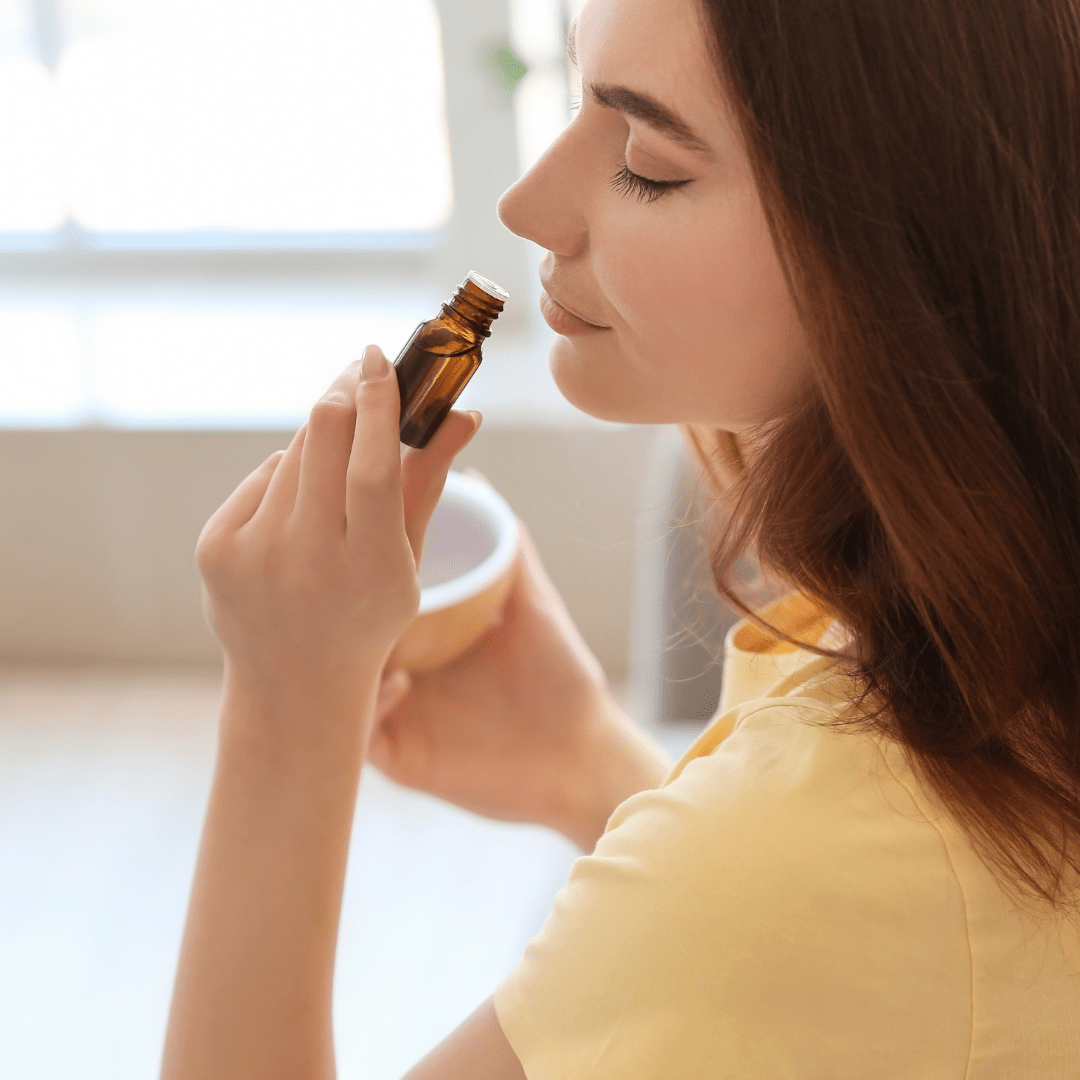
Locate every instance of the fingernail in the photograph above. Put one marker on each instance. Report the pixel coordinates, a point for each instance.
(476, 418)
(374, 365)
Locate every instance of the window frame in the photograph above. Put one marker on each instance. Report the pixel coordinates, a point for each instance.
(483, 156)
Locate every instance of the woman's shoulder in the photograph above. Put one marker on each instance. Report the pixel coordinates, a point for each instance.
(779, 889)
(789, 902)
(807, 857)
(778, 786)
(788, 732)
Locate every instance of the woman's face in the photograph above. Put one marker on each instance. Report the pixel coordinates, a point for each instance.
(669, 301)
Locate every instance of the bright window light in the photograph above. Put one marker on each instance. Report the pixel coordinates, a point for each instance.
(47, 384)
(234, 116)
(230, 364)
(31, 193)
(541, 102)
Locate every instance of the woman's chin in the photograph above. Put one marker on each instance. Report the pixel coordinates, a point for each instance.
(574, 376)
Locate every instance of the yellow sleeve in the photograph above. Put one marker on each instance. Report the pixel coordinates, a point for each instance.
(780, 909)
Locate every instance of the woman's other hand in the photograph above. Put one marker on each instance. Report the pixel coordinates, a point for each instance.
(522, 727)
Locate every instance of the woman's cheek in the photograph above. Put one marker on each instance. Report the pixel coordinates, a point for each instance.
(663, 282)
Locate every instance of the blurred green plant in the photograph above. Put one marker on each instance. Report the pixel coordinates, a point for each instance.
(507, 67)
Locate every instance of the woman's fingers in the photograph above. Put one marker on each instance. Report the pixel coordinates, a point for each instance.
(215, 544)
(392, 690)
(238, 509)
(373, 482)
(320, 496)
(533, 579)
(476, 474)
(344, 469)
(277, 504)
(423, 473)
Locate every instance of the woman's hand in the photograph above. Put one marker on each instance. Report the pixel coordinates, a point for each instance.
(310, 566)
(310, 575)
(523, 727)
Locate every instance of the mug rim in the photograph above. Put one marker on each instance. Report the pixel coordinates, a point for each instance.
(483, 501)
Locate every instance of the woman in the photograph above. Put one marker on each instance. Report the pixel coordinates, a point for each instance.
(840, 244)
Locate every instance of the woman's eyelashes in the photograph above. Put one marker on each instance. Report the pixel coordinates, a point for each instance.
(630, 183)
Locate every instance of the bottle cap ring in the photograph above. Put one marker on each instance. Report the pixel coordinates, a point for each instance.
(489, 286)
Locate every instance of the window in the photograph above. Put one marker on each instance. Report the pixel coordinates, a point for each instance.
(208, 206)
(221, 123)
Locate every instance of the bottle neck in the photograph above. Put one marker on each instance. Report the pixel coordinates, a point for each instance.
(473, 308)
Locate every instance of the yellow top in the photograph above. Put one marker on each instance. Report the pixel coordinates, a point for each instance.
(791, 904)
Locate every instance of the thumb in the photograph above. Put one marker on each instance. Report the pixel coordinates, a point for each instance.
(392, 690)
(532, 578)
(476, 474)
(533, 584)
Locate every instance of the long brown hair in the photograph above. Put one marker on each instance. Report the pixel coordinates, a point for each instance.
(919, 165)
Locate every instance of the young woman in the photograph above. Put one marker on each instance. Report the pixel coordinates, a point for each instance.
(840, 243)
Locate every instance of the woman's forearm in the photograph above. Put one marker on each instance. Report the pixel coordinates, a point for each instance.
(621, 760)
(253, 988)
(311, 574)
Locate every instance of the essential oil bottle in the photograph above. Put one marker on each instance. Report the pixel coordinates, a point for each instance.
(442, 355)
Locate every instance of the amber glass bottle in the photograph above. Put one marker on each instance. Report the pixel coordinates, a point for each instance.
(442, 355)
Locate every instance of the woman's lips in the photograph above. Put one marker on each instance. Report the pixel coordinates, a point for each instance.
(565, 322)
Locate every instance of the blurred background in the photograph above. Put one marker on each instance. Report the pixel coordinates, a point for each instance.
(207, 208)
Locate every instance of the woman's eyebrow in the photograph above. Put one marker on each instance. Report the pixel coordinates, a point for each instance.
(642, 106)
(652, 112)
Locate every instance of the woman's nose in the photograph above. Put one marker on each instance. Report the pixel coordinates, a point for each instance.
(543, 205)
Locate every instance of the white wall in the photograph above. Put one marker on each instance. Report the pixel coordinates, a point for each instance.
(97, 528)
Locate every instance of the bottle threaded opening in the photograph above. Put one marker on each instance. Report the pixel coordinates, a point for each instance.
(485, 284)
(478, 304)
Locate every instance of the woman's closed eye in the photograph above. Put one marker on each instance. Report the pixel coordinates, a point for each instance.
(646, 190)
